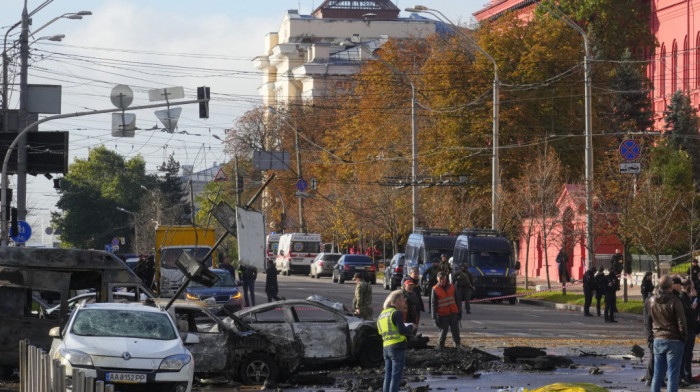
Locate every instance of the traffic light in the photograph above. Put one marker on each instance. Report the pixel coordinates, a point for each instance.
(203, 93)
(13, 221)
(239, 184)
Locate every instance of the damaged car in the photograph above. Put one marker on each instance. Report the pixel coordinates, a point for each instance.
(328, 335)
(231, 348)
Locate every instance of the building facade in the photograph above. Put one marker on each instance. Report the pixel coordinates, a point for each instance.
(312, 54)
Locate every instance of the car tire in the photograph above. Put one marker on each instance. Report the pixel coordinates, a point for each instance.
(371, 355)
(257, 369)
(386, 286)
(393, 287)
(512, 301)
(333, 277)
(340, 279)
(374, 281)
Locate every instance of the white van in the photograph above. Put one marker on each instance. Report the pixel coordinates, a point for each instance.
(296, 252)
(272, 242)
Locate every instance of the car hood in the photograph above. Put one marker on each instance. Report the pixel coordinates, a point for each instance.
(115, 347)
(213, 291)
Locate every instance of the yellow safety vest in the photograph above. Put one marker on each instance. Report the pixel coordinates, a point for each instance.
(390, 334)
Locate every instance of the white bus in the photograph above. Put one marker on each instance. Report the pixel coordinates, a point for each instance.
(296, 252)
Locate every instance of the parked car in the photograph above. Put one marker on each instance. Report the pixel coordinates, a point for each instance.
(348, 265)
(125, 344)
(230, 347)
(393, 273)
(51, 312)
(327, 335)
(323, 264)
(224, 291)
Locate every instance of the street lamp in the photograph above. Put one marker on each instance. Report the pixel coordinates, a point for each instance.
(156, 196)
(495, 175)
(135, 225)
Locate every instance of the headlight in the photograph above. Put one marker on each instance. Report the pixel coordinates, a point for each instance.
(75, 357)
(236, 296)
(175, 362)
(192, 297)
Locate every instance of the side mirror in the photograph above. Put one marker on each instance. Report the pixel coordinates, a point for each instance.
(55, 332)
(191, 339)
(517, 265)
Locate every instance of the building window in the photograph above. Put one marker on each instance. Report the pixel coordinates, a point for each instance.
(662, 71)
(674, 67)
(686, 65)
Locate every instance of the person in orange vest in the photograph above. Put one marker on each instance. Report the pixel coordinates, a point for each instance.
(445, 312)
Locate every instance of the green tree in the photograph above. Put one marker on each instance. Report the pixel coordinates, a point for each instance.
(630, 107)
(174, 209)
(681, 126)
(90, 194)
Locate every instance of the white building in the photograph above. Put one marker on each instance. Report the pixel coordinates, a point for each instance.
(311, 54)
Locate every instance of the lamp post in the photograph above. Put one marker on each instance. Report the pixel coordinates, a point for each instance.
(135, 226)
(588, 124)
(495, 170)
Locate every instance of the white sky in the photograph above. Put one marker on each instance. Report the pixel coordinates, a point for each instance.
(193, 42)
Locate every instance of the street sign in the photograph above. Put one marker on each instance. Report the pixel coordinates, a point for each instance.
(123, 124)
(25, 232)
(302, 185)
(630, 149)
(313, 184)
(220, 176)
(108, 248)
(630, 168)
(166, 94)
(169, 118)
(115, 241)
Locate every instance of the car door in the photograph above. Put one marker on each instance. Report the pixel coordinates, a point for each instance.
(211, 353)
(325, 335)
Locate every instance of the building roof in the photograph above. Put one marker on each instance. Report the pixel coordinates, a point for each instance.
(357, 9)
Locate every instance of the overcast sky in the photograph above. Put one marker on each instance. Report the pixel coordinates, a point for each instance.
(149, 44)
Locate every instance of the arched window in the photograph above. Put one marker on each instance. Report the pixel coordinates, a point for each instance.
(662, 71)
(686, 65)
(674, 67)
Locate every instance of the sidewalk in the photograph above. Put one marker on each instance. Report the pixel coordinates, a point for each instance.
(633, 292)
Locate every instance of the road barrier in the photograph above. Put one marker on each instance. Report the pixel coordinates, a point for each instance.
(39, 373)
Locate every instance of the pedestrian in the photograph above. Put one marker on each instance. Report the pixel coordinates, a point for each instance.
(248, 274)
(589, 287)
(362, 302)
(617, 263)
(271, 286)
(690, 311)
(445, 312)
(601, 283)
(445, 265)
(670, 332)
(391, 327)
(464, 285)
(647, 285)
(414, 275)
(411, 311)
(611, 295)
(228, 267)
(694, 273)
(431, 274)
(562, 266)
(649, 330)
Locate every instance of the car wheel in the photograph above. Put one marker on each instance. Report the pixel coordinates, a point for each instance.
(341, 281)
(257, 369)
(386, 286)
(393, 286)
(374, 281)
(371, 355)
(333, 277)
(512, 300)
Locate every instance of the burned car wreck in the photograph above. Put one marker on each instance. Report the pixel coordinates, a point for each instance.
(327, 335)
(231, 348)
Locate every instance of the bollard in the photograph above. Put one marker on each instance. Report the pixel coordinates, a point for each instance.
(31, 369)
(23, 365)
(109, 388)
(41, 356)
(90, 384)
(62, 378)
(99, 386)
(55, 364)
(78, 382)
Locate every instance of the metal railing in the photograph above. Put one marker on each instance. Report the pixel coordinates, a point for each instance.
(39, 373)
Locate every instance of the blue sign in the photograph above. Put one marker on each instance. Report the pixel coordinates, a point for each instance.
(109, 248)
(25, 232)
(115, 241)
(302, 185)
(629, 149)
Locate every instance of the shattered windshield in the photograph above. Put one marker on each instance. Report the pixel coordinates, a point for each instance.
(123, 323)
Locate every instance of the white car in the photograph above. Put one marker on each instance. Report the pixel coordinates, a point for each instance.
(125, 344)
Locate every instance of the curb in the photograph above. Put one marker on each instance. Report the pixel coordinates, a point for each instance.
(575, 308)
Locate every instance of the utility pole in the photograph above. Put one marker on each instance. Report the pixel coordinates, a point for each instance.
(238, 188)
(302, 227)
(23, 117)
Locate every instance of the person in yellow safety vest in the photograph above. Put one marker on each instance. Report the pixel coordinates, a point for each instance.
(391, 327)
(445, 312)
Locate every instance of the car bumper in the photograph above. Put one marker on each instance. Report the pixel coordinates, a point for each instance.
(369, 275)
(156, 381)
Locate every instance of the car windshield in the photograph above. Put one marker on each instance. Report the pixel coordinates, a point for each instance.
(305, 247)
(437, 253)
(225, 280)
(355, 259)
(123, 323)
(330, 257)
(489, 260)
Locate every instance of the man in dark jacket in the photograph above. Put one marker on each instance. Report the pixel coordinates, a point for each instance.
(463, 281)
(589, 287)
(271, 286)
(611, 296)
(617, 263)
(690, 312)
(563, 266)
(411, 313)
(601, 282)
(248, 274)
(414, 275)
(669, 332)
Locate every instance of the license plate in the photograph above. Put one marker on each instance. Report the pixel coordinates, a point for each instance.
(494, 293)
(132, 378)
(360, 268)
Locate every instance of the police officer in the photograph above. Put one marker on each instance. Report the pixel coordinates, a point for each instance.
(362, 302)
(463, 280)
(601, 283)
(611, 295)
(445, 312)
(589, 287)
(391, 327)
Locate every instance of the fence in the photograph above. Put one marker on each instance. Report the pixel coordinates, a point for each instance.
(39, 373)
(639, 263)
